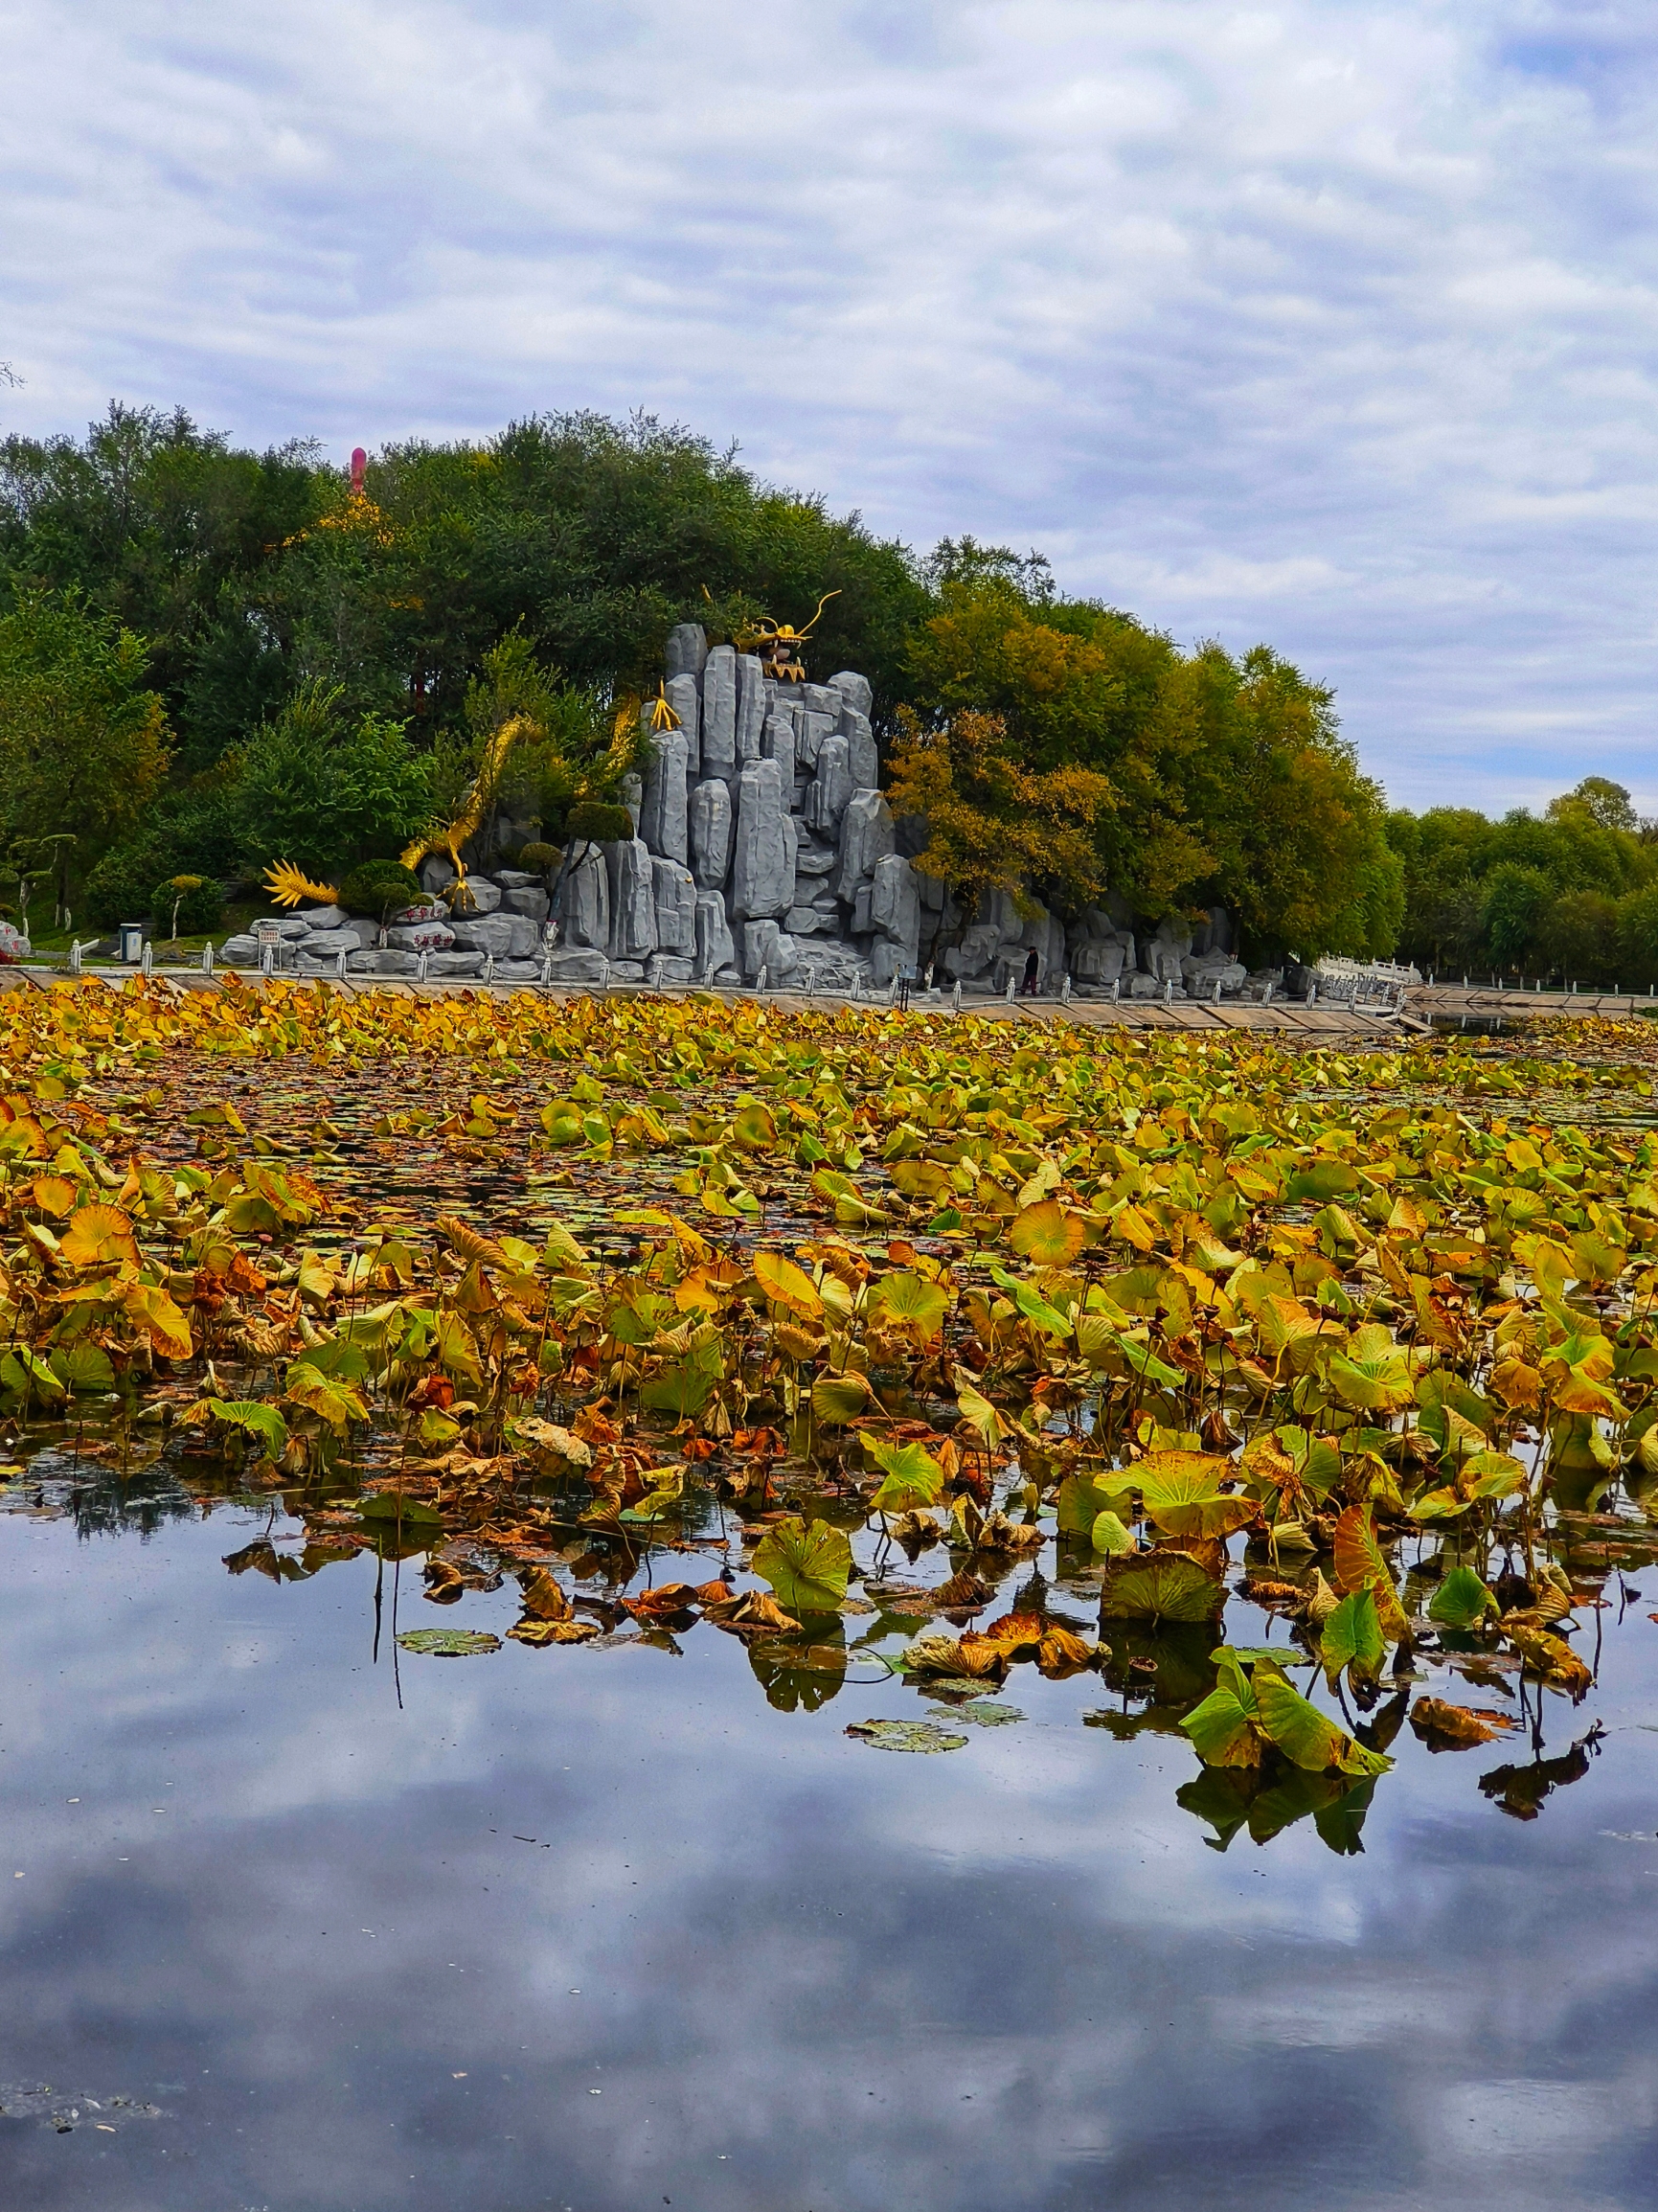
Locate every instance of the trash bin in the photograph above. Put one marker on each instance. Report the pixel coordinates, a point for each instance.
(131, 935)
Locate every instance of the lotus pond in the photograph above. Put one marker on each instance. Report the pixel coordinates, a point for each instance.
(621, 1603)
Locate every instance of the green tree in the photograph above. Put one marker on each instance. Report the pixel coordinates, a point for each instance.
(1579, 937)
(1607, 804)
(1513, 903)
(1638, 937)
(83, 742)
(324, 788)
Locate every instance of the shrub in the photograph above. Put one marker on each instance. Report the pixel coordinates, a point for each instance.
(596, 822)
(321, 790)
(379, 888)
(188, 905)
(539, 859)
(122, 886)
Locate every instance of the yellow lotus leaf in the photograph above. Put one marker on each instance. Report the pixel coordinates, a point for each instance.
(98, 1236)
(152, 1309)
(786, 1284)
(55, 1193)
(1049, 1235)
(1183, 1493)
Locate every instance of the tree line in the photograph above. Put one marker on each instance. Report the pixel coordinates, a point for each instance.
(211, 658)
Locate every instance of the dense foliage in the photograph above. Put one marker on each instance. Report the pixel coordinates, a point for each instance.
(1570, 894)
(333, 666)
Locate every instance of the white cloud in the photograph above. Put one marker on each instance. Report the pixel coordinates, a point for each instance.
(1329, 324)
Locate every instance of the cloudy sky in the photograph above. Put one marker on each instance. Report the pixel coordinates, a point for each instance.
(1330, 323)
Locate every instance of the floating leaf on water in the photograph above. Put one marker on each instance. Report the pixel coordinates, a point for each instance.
(389, 1505)
(1444, 1728)
(1048, 1234)
(906, 1736)
(809, 1567)
(986, 1713)
(1182, 1494)
(449, 1643)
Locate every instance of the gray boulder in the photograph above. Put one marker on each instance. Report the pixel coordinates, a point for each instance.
(577, 966)
(662, 822)
(684, 699)
(686, 651)
(1165, 952)
(585, 902)
(974, 954)
(751, 710)
(719, 754)
(814, 730)
(675, 895)
(420, 937)
(854, 689)
(777, 744)
(714, 948)
(437, 873)
(826, 801)
(528, 898)
(895, 905)
(632, 900)
(1100, 959)
(516, 878)
(330, 943)
(866, 837)
(505, 935)
(711, 833)
(808, 922)
(861, 748)
(763, 863)
(317, 918)
(668, 968)
(759, 949)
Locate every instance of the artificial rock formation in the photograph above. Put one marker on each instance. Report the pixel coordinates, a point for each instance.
(762, 843)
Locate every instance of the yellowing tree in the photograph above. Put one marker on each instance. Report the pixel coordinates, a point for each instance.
(993, 824)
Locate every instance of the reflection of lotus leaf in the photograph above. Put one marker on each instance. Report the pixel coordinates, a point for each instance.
(905, 1736)
(986, 1713)
(1168, 1587)
(449, 1643)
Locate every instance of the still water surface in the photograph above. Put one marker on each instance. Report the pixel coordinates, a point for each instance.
(604, 1930)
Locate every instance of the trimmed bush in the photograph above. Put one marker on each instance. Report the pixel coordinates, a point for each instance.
(539, 859)
(185, 906)
(595, 822)
(378, 888)
(122, 886)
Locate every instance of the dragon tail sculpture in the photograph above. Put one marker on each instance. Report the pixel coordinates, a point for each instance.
(289, 885)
